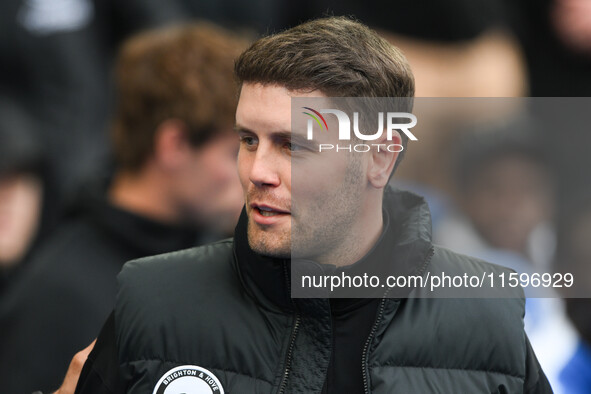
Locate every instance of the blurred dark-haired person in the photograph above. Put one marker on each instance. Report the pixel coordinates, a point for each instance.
(60, 55)
(175, 177)
(504, 188)
(221, 318)
(22, 184)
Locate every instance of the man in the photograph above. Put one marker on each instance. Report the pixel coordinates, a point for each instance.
(221, 319)
(176, 153)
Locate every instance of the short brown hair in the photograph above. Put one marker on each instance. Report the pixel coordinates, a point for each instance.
(336, 55)
(181, 72)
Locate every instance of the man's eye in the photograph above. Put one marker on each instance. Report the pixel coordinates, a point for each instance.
(293, 147)
(249, 141)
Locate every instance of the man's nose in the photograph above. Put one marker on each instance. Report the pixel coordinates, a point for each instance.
(264, 171)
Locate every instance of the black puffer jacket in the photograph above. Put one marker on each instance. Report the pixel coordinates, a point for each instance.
(224, 314)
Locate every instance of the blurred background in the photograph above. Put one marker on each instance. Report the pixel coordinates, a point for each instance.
(506, 175)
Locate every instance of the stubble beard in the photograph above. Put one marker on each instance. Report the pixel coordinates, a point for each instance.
(267, 243)
(324, 231)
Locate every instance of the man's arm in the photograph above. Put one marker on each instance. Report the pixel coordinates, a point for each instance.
(535, 379)
(100, 374)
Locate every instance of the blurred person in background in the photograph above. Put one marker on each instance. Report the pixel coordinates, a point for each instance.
(59, 54)
(27, 202)
(504, 191)
(22, 184)
(176, 172)
(573, 256)
(505, 210)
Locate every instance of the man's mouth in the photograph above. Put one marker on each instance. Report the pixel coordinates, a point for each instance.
(268, 211)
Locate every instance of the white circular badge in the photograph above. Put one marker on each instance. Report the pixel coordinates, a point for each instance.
(188, 379)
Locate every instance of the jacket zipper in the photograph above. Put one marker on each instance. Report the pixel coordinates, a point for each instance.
(368, 341)
(294, 333)
(377, 322)
(286, 371)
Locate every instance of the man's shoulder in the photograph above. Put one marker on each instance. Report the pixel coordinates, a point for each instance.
(215, 250)
(191, 296)
(453, 261)
(209, 258)
(203, 269)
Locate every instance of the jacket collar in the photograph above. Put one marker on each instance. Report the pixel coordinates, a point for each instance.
(402, 249)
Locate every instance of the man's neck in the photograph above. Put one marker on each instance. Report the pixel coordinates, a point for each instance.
(142, 194)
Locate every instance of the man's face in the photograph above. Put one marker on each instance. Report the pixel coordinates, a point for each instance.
(298, 201)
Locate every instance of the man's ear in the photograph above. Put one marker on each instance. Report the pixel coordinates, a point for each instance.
(171, 144)
(383, 158)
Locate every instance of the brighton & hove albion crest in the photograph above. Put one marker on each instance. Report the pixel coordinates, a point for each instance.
(188, 379)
